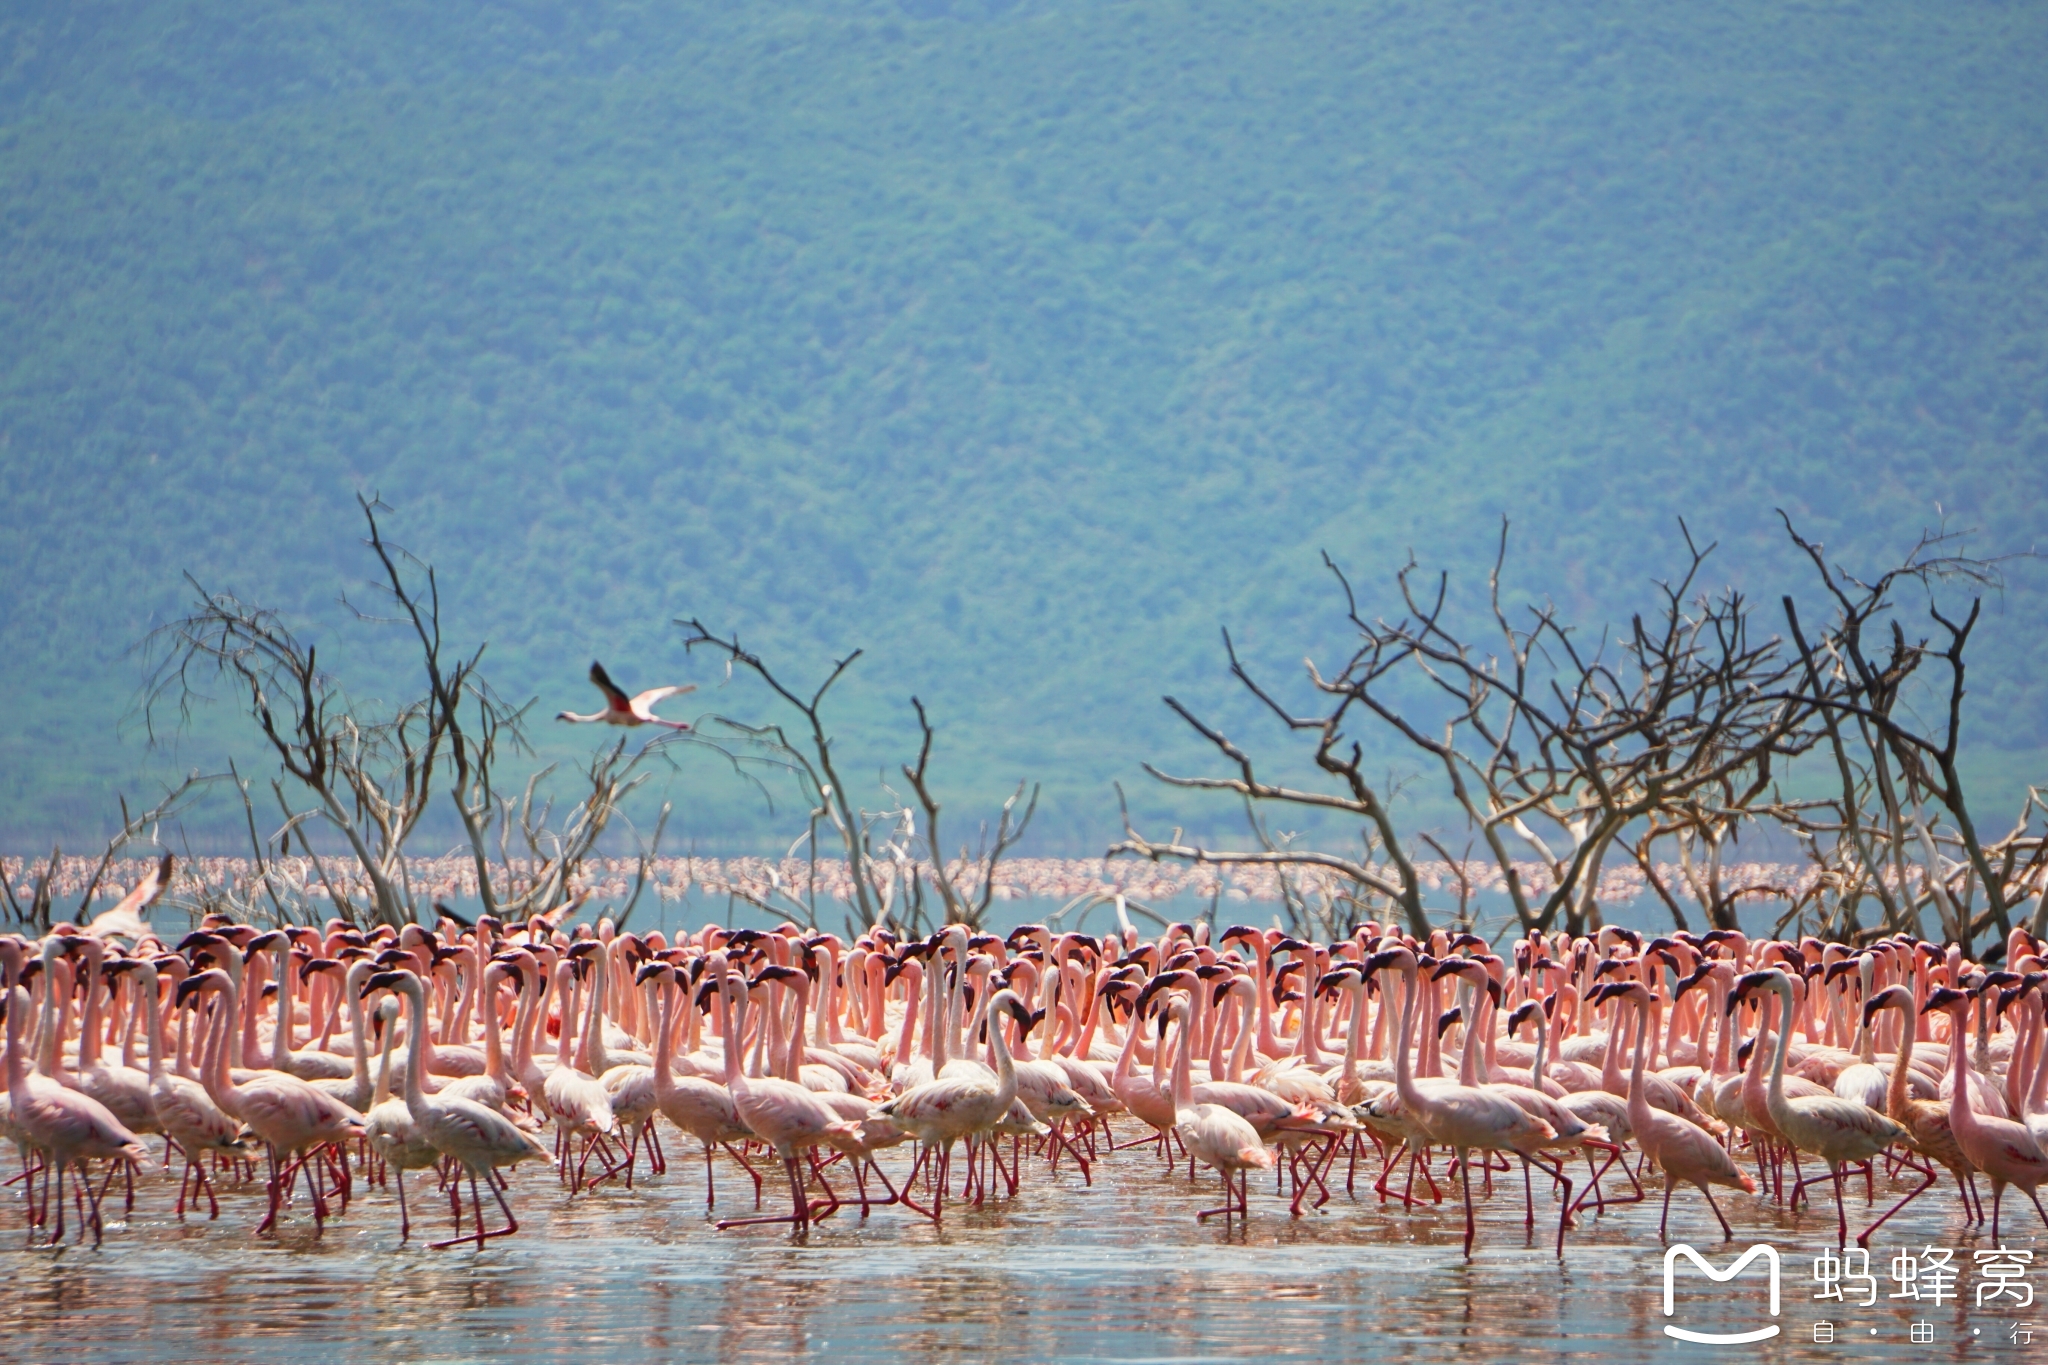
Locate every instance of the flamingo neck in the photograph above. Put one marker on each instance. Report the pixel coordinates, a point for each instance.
(1895, 1091)
(1404, 1078)
(494, 1044)
(281, 1036)
(89, 1025)
(664, 1041)
(1774, 1098)
(793, 1062)
(1638, 1094)
(594, 1056)
(358, 1038)
(17, 1073)
(416, 1055)
(145, 999)
(382, 1090)
(1183, 1072)
(906, 1036)
(1961, 1117)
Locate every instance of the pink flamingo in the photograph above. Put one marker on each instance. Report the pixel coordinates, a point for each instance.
(1214, 1134)
(1928, 1131)
(479, 1139)
(781, 1113)
(1838, 1131)
(621, 709)
(960, 1104)
(2001, 1148)
(1676, 1146)
(67, 1126)
(188, 1115)
(294, 1118)
(704, 1109)
(1461, 1117)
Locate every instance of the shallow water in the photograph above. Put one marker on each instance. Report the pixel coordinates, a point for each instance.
(1116, 1271)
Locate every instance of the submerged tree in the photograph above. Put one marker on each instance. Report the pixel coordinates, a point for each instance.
(371, 778)
(1675, 733)
(892, 862)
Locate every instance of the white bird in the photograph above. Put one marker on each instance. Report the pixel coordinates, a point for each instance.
(478, 1138)
(621, 709)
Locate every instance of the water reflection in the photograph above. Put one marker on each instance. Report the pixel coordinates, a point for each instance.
(1065, 1272)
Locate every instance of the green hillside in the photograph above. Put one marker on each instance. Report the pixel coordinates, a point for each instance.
(1024, 344)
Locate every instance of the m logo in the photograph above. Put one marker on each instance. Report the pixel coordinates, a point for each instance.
(1769, 1253)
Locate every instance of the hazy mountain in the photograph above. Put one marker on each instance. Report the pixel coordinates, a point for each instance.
(1022, 344)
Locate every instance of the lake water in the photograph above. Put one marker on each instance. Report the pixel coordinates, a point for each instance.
(1119, 1271)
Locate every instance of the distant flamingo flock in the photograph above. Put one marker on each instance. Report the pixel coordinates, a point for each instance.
(322, 1066)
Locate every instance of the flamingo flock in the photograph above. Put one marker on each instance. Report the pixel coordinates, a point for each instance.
(344, 1060)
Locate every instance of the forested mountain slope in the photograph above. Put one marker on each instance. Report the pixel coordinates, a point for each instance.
(1022, 344)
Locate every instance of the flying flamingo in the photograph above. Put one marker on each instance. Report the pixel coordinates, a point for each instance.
(1676, 1146)
(621, 709)
(1839, 1131)
(477, 1137)
(2001, 1148)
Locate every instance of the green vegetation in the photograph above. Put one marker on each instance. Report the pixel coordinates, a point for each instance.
(1023, 344)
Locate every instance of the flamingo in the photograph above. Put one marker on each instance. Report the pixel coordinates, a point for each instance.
(1999, 1147)
(1461, 1117)
(67, 1126)
(388, 1121)
(576, 1100)
(188, 1115)
(1926, 1121)
(124, 1090)
(781, 1113)
(961, 1104)
(293, 1117)
(621, 709)
(1676, 1146)
(1838, 1131)
(1214, 1134)
(478, 1138)
(704, 1109)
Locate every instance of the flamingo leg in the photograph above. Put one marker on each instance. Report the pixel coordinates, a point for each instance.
(1841, 1214)
(1727, 1233)
(1863, 1237)
(404, 1214)
(746, 1166)
(1465, 1179)
(800, 1217)
(1229, 1207)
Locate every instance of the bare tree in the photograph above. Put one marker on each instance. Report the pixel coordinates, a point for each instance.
(1544, 741)
(1861, 672)
(971, 906)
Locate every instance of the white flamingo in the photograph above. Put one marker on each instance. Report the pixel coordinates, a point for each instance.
(478, 1138)
(621, 709)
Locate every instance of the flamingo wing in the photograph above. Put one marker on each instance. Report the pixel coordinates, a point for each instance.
(614, 696)
(646, 701)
